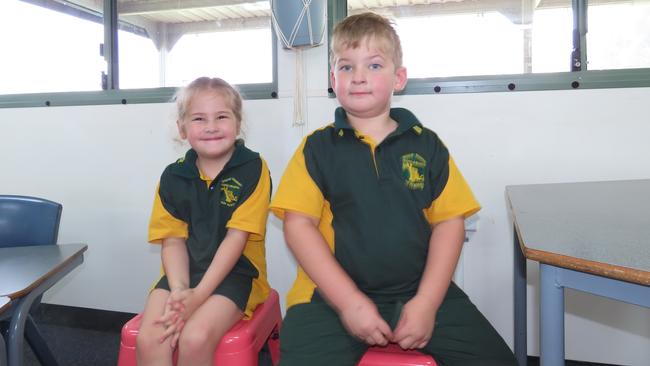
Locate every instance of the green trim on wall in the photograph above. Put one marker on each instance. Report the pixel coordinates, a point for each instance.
(126, 96)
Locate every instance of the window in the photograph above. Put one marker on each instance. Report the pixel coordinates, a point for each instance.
(619, 35)
(49, 50)
(470, 38)
(501, 45)
(134, 50)
(176, 42)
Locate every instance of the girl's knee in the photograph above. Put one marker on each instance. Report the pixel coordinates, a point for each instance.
(196, 340)
(148, 344)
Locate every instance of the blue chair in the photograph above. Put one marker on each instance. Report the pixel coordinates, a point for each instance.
(28, 221)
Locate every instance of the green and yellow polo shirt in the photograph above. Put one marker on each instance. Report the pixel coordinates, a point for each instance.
(191, 206)
(376, 202)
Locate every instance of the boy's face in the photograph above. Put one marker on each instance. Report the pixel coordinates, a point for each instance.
(364, 79)
(210, 126)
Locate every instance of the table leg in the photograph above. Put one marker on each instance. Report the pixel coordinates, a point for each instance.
(3, 351)
(520, 302)
(551, 320)
(19, 318)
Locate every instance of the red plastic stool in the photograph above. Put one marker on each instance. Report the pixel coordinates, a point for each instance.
(239, 347)
(393, 355)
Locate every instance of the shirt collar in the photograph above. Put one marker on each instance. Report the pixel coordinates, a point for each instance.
(186, 166)
(404, 118)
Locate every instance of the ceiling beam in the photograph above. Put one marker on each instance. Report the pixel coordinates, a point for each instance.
(224, 25)
(147, 7)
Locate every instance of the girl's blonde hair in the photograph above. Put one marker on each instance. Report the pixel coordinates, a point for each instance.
(184, 96)
(354, 30)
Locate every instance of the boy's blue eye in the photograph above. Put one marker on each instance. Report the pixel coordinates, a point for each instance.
(345, 68)
(375, 66)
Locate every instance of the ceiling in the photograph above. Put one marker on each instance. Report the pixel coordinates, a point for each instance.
(194, 16)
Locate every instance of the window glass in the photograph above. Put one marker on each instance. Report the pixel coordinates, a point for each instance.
(172, 42)
(462, 38)
(138, 61)
(619, 35)
(51, 49)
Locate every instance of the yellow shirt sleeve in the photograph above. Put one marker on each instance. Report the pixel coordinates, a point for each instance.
(456, 199)
(162, 224)
(251, 215)
(297, 190)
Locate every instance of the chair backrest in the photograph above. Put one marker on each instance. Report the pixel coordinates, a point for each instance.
(28, 221)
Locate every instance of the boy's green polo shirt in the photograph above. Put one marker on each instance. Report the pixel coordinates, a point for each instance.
(191, 206)
(375, 203)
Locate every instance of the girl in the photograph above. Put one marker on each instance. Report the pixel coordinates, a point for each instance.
(210, 214)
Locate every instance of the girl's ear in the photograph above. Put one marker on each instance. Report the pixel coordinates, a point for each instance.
(181, 129)
(400, 78)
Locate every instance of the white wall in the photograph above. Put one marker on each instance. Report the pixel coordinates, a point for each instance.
(102, 163)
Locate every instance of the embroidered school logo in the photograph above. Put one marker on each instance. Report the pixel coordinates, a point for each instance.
(413, 171)
(230, 189)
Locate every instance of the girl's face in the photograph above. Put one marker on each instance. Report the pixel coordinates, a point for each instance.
(210, 126)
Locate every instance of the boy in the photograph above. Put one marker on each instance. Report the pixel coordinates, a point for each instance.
(373, 209)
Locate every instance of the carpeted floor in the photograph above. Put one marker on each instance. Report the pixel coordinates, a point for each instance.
(87, 337)
(77, 346)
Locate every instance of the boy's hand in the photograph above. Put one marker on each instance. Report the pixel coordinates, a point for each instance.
(361, 318)
(415, 325)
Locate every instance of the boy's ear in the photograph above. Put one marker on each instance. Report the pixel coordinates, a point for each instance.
(332, 79)
(181, 129)
(400, 78)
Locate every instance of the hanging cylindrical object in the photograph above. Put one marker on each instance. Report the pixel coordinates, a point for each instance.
(299, 23)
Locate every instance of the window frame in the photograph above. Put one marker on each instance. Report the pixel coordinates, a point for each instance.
(112, 94)
(578, 78)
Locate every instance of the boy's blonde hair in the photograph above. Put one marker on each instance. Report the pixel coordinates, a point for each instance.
(354, 30)
(184, 96)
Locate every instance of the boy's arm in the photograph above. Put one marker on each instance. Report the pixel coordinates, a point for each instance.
(417, 321)
(357, 312)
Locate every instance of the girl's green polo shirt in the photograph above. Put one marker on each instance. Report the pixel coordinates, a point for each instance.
(189, 205)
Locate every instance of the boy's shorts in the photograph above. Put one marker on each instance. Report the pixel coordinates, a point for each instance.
(235, 287)
(313, 335)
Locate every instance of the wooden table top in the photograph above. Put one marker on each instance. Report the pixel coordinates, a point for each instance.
(596, 227)
(24, 268)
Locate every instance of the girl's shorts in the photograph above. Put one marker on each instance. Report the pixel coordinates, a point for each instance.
(235, 287)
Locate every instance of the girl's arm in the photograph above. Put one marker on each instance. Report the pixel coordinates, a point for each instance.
(229, 252)
(357, 312)
(183, 302)
(176, 266)
(224, 260)
(416, 324)
(176, 263)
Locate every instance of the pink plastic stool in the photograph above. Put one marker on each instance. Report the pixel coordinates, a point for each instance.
(393, 355)
(239, 347)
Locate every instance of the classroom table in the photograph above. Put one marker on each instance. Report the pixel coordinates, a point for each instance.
(4, 305)
(592, 236)
(26, 273)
